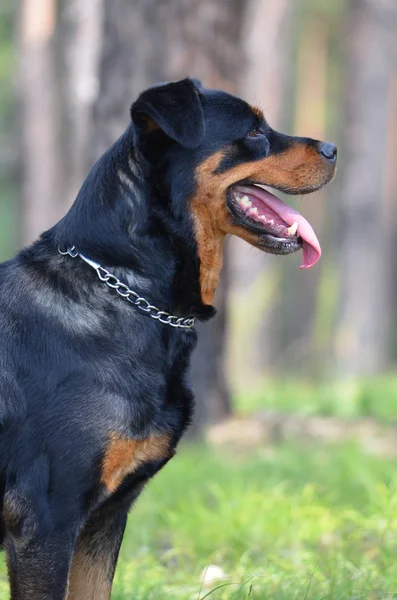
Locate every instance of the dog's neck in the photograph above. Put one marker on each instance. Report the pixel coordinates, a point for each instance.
(120, 220)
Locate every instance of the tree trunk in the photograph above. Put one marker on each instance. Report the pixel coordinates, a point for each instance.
(79, 48)
(365, 262)
(266, 45)
(38, 128)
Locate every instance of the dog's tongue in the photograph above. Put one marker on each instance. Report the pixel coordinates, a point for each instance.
(311, 245)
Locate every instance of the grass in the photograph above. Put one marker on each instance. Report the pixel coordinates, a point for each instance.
(307, 523)
(372, 397)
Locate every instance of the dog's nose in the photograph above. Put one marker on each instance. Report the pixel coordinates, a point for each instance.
(328, 150)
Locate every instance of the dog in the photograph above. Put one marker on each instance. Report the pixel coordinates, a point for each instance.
(97, 322)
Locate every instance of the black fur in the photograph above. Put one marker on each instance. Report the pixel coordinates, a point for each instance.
(77, 362)
(175, 108)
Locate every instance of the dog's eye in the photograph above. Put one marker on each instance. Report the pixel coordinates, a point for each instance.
(257, 141)
(256, 133)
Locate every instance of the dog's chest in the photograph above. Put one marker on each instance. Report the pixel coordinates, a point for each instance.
(125, 456)
(164, 409)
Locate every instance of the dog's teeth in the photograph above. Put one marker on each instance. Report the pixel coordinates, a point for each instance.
(293, 229)
(271, 222)
(263, 218)
(246, 202)
(253, 211)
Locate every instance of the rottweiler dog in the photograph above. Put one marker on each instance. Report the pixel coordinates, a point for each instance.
(97, 322)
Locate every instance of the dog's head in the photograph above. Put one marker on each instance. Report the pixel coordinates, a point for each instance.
(217, 156)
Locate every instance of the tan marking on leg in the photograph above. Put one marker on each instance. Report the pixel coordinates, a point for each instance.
(123, 456)
(90, 578)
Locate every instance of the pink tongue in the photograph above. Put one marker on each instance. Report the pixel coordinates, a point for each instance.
(311, 245)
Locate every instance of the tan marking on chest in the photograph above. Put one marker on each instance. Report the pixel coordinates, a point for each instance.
(123, 457)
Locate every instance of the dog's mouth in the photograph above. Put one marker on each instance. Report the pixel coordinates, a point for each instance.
(282, 229)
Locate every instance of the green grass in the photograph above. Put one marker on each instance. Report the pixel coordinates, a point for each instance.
(307, 523)
(376, 397)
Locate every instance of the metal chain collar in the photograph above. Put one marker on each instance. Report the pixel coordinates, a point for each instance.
(115, 284)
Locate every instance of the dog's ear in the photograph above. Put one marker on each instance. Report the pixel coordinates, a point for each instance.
(175, 108)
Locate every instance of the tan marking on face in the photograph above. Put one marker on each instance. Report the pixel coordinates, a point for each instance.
(298, 169)
(90, 578)
(150, 124)
(123, 456)
(257, 112)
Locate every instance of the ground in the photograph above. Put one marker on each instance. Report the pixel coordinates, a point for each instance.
(291, 520)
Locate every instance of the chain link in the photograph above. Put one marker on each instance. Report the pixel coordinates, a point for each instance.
(124, 291)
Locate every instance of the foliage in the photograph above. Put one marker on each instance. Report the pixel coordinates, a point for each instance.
(287, 523)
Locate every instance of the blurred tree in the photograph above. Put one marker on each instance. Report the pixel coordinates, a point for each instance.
(365, 262)
(142, 42)
(38, 117)
(78, 54)
(9, 159)
(267, 44)
(392, 203)
(297, 310)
